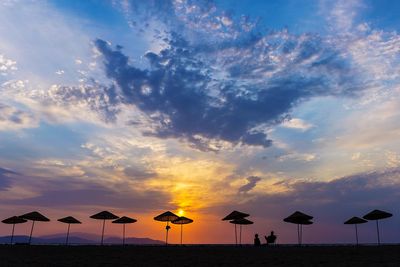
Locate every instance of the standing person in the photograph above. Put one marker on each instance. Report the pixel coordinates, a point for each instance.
(257, 241)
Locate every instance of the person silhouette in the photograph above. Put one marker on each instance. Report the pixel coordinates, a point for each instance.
(257, 241)
(271, 238)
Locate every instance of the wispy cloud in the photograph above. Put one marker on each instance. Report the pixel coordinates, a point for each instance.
(298, 124)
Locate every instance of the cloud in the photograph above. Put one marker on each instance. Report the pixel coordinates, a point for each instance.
(342, 14)
(298, 124)
(138, 173)
(5, 179)
(297, 157)
(338, 198)
(12, 118)
(98, 98)
(7, 65)
(69, 191)
(232, 92)
(251, 183)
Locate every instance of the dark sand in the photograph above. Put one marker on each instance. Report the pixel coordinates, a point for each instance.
(199, 256)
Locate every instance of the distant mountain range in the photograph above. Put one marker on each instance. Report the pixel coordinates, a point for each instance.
(80, 239)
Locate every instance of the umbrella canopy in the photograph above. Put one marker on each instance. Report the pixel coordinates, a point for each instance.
(182, 220)
(235, 215)
(166, 217)
(35, 216)
(69, 220)
(14, 220)
(241, 221)
(299, 218)
(355, 220)
(104, 215)
(124, 220)
(377, 215)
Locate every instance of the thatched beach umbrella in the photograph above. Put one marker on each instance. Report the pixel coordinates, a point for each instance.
(234, 215)
(13, 220)
(124, 220)
(355, 221)
(241, 221)
(182, 220)
(166, 217)
(377, 215)
(68, 220)
(104, 215)
(34, 217)
(300, 219)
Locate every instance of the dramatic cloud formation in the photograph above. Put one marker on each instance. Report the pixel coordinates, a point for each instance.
(189, 95)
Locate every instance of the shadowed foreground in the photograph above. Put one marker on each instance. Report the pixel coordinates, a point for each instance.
(198, 256)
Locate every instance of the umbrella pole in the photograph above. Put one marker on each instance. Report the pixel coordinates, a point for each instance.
(181, 233)
(102, 233)
(166, 237)
(240, 235)
(356, 234)
(12, 234)
(66, 240)
(235, 236)
(30, 236)
(123, 234)
(377, 230)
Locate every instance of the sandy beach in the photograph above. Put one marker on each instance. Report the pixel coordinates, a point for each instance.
(199, 256)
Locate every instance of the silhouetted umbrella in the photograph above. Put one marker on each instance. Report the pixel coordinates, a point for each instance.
(69, 220)
(104, 215)
(34, 217)
(241, 221)
(124, 220)
(377, 215)
(182, 220)
(234, 215)
(166, 217)
(300, 219)
(13, 220)
(355, 221)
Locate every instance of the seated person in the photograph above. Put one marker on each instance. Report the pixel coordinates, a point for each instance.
(271, 238)
(257, 241)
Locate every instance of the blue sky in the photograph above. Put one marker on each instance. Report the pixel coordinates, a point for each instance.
(204, 106)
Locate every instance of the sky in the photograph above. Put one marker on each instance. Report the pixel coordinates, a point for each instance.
(201, 107)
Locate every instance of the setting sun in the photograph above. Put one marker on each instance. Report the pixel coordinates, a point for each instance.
(181, 212)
